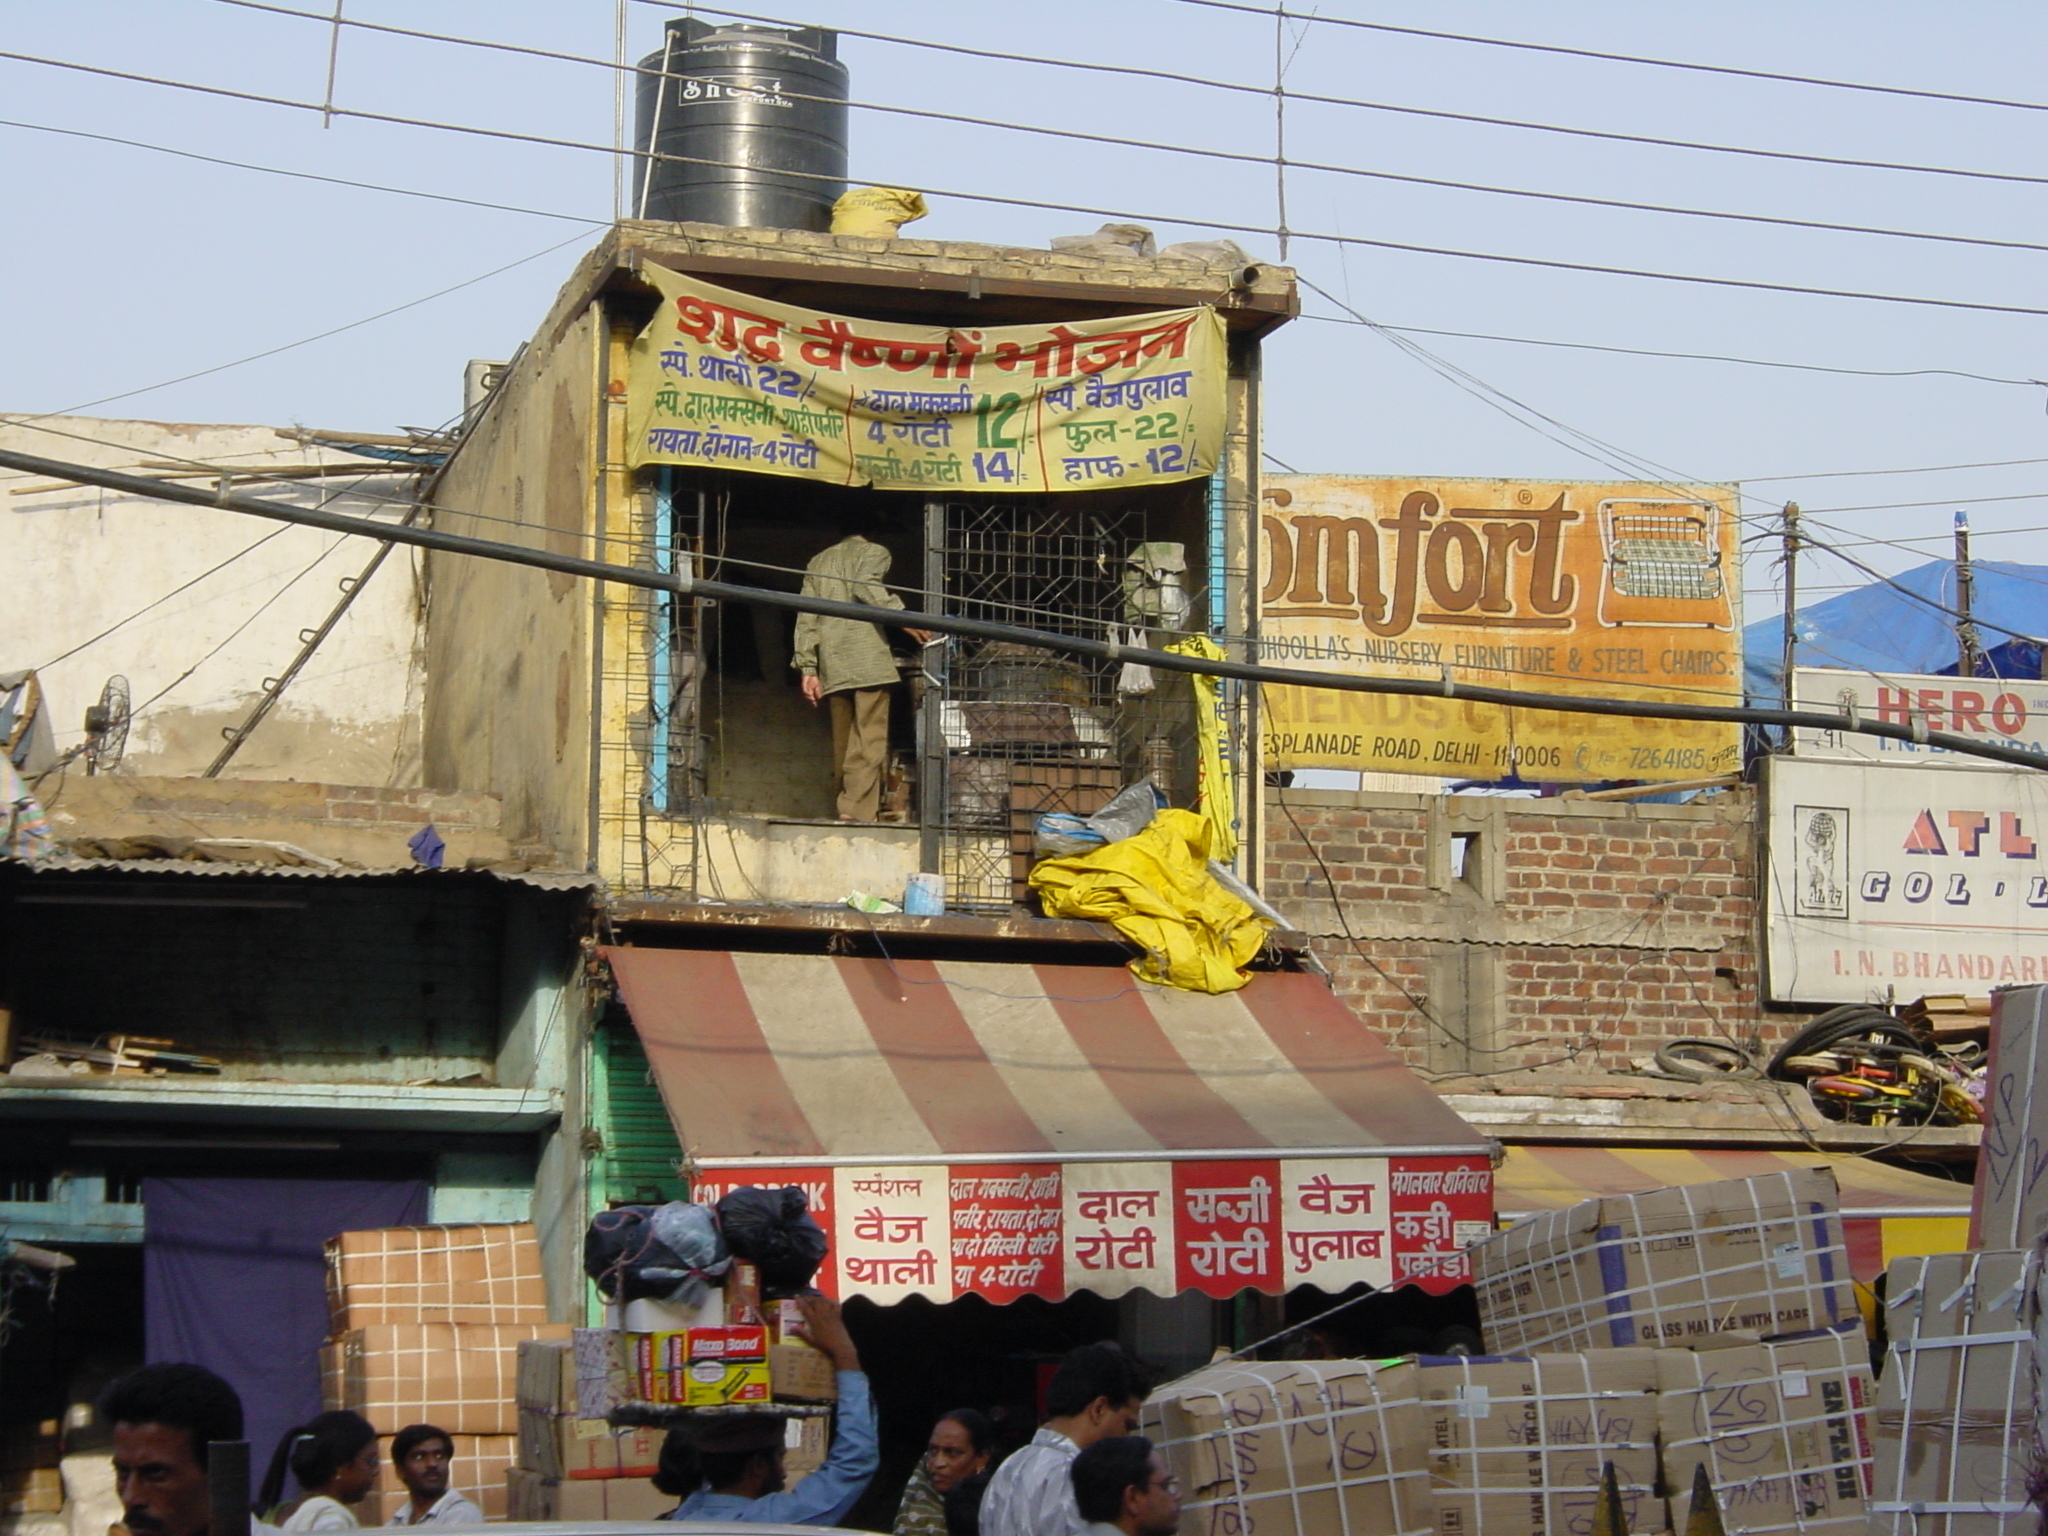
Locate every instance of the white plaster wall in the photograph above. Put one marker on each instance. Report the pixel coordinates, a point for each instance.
(80, 560)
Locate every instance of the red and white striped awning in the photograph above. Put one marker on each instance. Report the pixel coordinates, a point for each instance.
(1008, 1130)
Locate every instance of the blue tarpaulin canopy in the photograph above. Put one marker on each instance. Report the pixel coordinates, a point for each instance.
(1907, 626)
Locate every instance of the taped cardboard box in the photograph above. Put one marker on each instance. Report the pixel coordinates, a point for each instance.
(804, 1446)
(1954, 1430)
(801, 1373)
(2009, 1207)
(529, 1496)
(1740, 1260)
(1516, 1447)
(460, 1376)
(1782, 1428)
(1305, 1448)
(477, 1471)
(564, 1448)
(547, 1376)
(477, 1273)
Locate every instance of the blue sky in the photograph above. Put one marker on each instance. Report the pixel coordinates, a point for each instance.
(124, 266)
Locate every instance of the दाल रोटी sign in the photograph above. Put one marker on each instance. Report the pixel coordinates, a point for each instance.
(727, 381)
(1047, 1229)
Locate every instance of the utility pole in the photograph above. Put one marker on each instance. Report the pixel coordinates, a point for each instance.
(1791, 537)
(1969, 648)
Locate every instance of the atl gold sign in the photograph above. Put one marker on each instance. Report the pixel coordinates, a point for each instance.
(1610, 591)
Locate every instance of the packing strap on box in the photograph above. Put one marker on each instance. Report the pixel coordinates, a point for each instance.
(1816, 1228)
(1323, 1423)
(1924, 1507)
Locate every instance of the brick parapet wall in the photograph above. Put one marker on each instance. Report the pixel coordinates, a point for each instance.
(1581, 933)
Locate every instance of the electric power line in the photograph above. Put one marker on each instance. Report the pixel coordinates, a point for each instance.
(1371, 106)
(1280, 161)
(1316, 18)
(1697, 357)
(1545, 263)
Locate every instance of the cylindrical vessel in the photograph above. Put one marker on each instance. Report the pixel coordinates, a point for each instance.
(925, 895)
(756, 117)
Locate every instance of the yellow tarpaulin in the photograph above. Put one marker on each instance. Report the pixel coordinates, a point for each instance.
(1155, 888)
(1217, 798)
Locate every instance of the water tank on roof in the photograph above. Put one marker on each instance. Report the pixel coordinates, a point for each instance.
(756, 117)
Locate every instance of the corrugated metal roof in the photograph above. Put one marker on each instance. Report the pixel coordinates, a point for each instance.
(539, 879)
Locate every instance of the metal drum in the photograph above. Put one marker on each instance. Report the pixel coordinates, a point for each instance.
(758, 117)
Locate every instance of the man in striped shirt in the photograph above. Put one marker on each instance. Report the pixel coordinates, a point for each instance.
(1096, 1392)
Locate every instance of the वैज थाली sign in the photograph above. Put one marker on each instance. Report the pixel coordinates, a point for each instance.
(724, 380)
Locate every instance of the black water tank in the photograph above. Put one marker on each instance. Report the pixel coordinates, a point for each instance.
(764, 107)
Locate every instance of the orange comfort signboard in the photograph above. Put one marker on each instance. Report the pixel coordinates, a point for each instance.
(1608, 591)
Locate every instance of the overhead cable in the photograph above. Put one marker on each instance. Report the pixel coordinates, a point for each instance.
(1546, 263)
(1316, 18)
(687, 585)
(1694, 357)
(1373, 106)
(1280, 161)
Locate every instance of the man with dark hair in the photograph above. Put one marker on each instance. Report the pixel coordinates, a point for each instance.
(1096, 1393)
(1123, 1487)
(846, 664)
(739, 1455)
(421, 1453)
(162, 1417)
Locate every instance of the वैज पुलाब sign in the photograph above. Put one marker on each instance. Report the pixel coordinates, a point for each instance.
(725, 380)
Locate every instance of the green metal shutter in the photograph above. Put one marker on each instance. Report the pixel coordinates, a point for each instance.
(638, 1166)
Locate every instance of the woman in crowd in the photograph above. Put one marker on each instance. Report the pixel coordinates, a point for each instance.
(334, 1458)
(961, 1447)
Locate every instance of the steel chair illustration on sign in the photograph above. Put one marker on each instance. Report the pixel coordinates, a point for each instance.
(1662, 564)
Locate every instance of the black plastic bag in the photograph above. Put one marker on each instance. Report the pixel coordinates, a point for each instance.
(774, 1230)
(624, 1253)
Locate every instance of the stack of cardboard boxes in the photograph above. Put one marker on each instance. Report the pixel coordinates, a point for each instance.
(577, 1463)
(427, 1322)
(571, 1467)
(1710, 1327)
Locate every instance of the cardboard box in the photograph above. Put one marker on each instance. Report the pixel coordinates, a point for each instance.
(804, 1444)
(606, 1374)
(477, 1472)
(702, 1367)
(801, 1373)
(546, 1376)
(1738, 1260)
(441, 1274)
(1307, 1448)
(1955, 1406)
(2009, 1207)
(1516, 1447)
(563, 1448)
(459, 1376)
(528, 1495)
(1782, 1428)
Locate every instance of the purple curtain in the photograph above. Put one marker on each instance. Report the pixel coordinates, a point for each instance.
(234, 1280)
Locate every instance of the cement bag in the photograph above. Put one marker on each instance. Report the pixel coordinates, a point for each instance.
(876, 211)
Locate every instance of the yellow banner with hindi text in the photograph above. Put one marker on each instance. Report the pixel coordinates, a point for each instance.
(729, 381)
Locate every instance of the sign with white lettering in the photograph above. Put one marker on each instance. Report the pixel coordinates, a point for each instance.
(1006, 1230)
(2003, 712)
(1903, 879)
(1607, 591)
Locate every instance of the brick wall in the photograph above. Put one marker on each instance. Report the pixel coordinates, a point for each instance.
(1491, 935)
